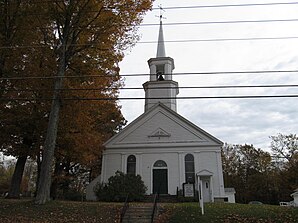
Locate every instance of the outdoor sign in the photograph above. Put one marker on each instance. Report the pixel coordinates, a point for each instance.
(188, 190)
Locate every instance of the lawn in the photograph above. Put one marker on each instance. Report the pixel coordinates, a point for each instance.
(230, 213)
(67, 211)
(58, 211)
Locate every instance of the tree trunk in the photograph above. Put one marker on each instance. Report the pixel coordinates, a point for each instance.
(38, 161)
(15, 186)
(57, 173)
(44, 185)
(43, 190)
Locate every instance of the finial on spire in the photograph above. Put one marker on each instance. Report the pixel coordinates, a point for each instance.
(161, 52)
(161, 11)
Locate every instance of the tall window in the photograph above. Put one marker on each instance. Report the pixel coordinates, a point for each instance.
(131, 165)
(189, 168)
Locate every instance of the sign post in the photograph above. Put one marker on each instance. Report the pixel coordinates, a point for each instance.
(201, 195)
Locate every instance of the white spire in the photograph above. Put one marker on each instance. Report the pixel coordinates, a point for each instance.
(161, 52)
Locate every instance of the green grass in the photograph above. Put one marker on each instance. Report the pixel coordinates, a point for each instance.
(67, 211)
(58, 211)
(228, 213)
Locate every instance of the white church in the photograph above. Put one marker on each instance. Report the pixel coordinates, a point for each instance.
(164, 148)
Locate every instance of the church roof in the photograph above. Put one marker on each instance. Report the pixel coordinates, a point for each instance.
(162, 127)
(161, 52)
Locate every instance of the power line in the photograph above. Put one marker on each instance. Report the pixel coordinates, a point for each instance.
(166, 41)
(193, 6)
(195, 23)
(227, 5)
(182, 87)
(223, 39)
(155, 98)
(199, 6)
(147, 74)
(221, 22)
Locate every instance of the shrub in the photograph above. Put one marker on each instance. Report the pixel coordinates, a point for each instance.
(73, 195)
(119, 186)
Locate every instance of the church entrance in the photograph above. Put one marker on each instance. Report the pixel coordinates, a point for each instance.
(206, 189)
(160, 177)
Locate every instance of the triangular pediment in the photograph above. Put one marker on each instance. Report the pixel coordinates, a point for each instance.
(161, 127)
(159, 133)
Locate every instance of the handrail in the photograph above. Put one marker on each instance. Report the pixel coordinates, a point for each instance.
(124, 208)
(156, 196)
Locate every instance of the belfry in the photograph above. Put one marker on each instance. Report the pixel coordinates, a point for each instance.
(161, 88)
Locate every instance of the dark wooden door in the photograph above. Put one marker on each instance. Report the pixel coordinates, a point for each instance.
(160, 181)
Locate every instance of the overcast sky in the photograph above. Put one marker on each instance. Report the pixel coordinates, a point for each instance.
(236, 121)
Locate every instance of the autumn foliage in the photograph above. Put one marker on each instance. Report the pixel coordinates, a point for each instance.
(54, 55)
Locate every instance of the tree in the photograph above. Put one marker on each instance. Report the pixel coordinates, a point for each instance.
(284, 146)
(83, 128)
(6, 171)
(248, 170)
(285, 154)
(87, 30)
(21, 121)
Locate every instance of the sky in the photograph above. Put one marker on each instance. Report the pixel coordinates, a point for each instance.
(234, 121)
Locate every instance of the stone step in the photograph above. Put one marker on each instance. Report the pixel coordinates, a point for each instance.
(138, 214)
(136, 220)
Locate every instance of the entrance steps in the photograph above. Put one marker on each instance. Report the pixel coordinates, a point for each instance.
(138, 214)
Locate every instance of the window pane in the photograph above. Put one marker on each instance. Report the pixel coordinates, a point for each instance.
(131, 165)
(189, 157)
(160, 163)
(131, 168)
(190, 177)
(189, 167)
(131, 158)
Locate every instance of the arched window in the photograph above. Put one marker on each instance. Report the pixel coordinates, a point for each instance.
(160, 163)
(131, 165)
(189, 168)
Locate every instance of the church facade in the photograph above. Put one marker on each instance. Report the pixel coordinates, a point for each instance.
(164, 148)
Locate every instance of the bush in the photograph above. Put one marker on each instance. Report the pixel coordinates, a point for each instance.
(119, 186)
(73, 195)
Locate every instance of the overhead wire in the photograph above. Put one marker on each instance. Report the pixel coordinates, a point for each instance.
(221, 22)
(223, 39)
(167, 41)
(199, 40)
(226, 5)
(155, 98)
(146, 74)
(197, 6)
(156, 88)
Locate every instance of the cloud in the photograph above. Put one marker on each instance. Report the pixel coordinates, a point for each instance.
(249, 121)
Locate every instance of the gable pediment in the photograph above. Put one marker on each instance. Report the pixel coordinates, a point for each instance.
(159, 133)
(158, 127)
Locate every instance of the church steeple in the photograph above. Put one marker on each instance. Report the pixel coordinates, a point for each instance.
(161, 88)
(161, 52)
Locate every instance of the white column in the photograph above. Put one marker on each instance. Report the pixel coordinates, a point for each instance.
(152, 72)
(123, 162)
(201, 195)
(103, 168)
(181, 169)
(139, 165)
(211, 188)
(220, 174)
